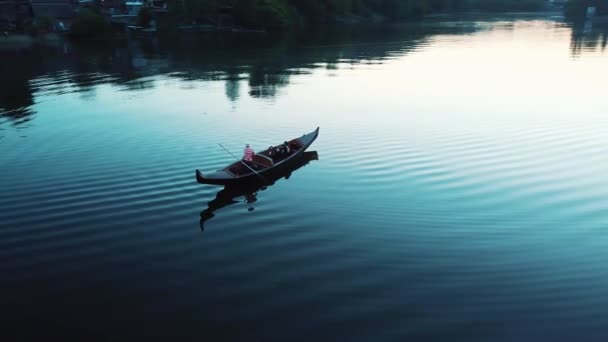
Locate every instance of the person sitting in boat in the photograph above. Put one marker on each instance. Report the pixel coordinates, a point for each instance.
(248, 154)
(287, 148)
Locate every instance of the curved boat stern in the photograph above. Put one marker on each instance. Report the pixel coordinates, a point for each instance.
(200, 178)
(220, 177)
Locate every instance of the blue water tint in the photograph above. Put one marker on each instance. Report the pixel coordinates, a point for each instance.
(459, 191)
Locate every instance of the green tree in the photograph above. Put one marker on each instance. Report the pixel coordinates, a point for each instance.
(577, 9)
(279, 14)
(267, 14)
(144, 16)
(89, 24)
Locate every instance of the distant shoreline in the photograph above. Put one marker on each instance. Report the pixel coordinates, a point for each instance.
(24, 41)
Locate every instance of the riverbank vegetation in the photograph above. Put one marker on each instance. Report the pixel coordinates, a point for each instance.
(577, 9)
(286, 15)
(89, 24)
(277, 15)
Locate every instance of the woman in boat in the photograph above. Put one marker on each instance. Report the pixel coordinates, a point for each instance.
(248, 154)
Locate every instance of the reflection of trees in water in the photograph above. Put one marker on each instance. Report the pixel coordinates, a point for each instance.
(588, 37)
(265, 62)
(265, 83)
(55, 71)
(268, 64)
(15, 92)
(233, 88)
(16, 99)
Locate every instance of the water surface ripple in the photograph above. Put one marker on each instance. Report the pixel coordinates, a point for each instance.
(459, 192)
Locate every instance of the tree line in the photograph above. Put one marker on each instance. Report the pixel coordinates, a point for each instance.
(577, 9)
(281, 14)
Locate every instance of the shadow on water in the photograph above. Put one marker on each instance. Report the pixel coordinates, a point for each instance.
(260, 67)
(255, 66)
(588, 36)
(247, 191)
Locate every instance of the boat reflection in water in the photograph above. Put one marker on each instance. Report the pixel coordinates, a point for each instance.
(248, 189)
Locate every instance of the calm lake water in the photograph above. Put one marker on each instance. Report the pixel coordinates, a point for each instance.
(460, 191)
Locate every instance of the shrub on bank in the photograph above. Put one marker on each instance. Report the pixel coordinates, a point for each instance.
(277, 15)
(267, 14)
(577, 9)
(144, 17)
(90, 25)
(38, 26)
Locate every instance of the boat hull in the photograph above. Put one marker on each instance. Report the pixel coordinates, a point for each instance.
(224, 178)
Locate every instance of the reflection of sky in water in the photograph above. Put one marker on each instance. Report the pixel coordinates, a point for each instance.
(474, 66)
(451, 81)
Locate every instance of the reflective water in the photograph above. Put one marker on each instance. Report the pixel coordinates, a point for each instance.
(460, 191)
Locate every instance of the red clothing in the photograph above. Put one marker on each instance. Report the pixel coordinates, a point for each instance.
(248, 154)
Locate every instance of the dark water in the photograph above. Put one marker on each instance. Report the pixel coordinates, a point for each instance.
(459, 192)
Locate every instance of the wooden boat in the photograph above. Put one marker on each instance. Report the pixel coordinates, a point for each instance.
(264, 162)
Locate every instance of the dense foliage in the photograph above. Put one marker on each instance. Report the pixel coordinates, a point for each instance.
(278, 14)
(144, 16)
(41, 24)
(90, 25)
(576, 9)
(262, 13)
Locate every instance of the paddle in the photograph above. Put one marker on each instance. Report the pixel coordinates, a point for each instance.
(242, 162)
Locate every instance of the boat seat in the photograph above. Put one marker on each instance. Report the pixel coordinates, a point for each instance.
(262, 160)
